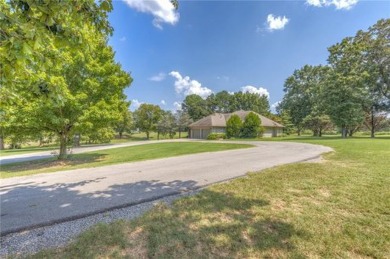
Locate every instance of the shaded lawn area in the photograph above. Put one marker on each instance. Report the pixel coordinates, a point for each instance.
(339, 208)
(114, 156)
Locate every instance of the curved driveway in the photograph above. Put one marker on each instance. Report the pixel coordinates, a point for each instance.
(44, 199)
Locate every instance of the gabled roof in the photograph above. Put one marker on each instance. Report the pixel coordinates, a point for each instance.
(220, 119)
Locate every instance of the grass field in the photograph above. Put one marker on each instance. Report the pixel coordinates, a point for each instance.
(114, 156)
(339, 208)
(34, 147)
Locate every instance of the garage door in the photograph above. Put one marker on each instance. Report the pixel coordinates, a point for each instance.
(195, 133)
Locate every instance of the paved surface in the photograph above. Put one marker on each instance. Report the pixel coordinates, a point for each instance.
(45, 199)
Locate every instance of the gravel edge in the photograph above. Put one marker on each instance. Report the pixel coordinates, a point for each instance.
(60, 235)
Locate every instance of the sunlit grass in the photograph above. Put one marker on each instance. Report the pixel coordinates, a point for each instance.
(114, 156)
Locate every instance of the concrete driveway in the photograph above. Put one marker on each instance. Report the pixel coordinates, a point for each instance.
(39, 200)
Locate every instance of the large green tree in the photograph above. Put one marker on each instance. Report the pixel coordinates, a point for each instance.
(374, 46)
(250, 102)
(346, 94)
(195, 106)
(303, 94)
(58, 69)
(146, 118)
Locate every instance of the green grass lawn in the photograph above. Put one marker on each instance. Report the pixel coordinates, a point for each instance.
(114, 156)
(339, 208)
(34, 146)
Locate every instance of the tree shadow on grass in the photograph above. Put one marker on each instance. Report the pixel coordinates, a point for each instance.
(48, 163)
(213, 225)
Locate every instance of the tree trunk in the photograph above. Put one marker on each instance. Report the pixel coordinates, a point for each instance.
(63, 152)
(158, 135)
(147, 135)
(350, 133)
(372, 123)
(1, 143)
(120, 134)
(179, 133)
(344, 132)
(299, 132)
(76, 140)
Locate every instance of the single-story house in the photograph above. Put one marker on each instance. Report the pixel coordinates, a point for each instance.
(216, 123)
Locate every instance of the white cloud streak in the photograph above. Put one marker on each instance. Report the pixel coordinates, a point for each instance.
(177, 106)
(158, 78)
(186, 86)
(339, 4)
(163, 11)
(254, 90)
(163, 102)
(135, 104)
(276, 22)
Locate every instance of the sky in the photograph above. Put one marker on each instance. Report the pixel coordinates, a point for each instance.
(205, 47)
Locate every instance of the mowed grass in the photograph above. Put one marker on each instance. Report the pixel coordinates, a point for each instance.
(114, 156)
(34, 147)
(339, 208)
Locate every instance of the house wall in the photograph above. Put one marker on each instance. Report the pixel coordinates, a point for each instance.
(218, 130)
(270, 132)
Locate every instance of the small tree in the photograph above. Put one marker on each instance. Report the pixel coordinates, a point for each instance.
(183, 120)
(317, 123)
(251, 126)
(166, 125)
(146, 118)
(233, 126)
(126, 122)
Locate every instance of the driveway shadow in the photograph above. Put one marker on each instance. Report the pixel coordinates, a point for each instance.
(32, 204)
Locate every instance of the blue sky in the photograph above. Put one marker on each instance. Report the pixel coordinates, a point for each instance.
(210, 46)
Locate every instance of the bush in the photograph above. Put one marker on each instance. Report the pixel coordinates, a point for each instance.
(251, 126)
(233, 126)
(215, 136)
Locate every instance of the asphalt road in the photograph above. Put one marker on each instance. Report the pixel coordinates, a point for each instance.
(39, 200)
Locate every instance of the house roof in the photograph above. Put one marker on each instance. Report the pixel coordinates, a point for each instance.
(220, 119)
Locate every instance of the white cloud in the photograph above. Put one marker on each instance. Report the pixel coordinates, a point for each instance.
(186, 86)
(162, 10)
(339, 4)
(122, 39)
(276, 22)
(158, 78)
(254, 90)
(177, 106)
(274, 105)
(135, 104)
(163, 102)
(225, 78)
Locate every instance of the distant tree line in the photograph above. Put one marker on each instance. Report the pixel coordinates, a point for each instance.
(350, 92)
(225, 102)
